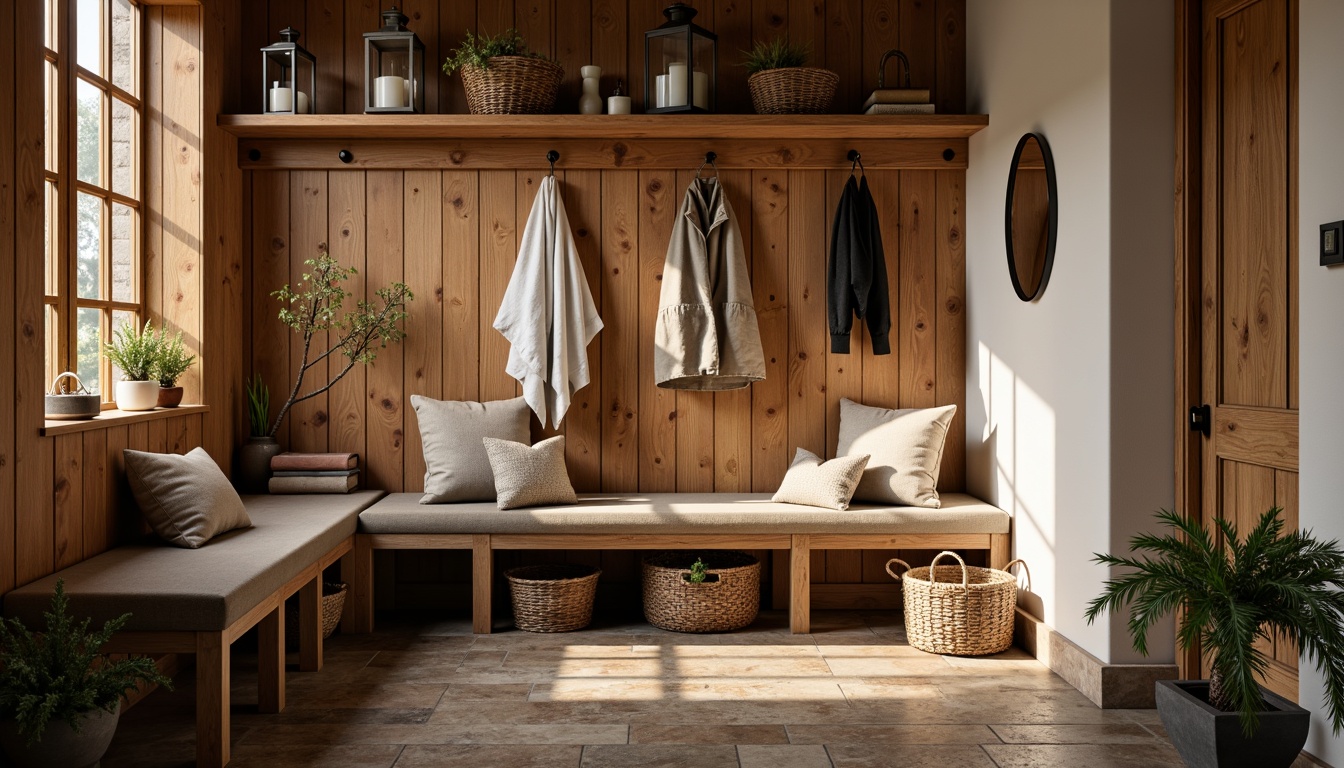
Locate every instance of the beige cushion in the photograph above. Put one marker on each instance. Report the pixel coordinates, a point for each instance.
(456, 467)
(186, 499)
(530, 475)
(681, 513)
(818, 483)
(905, 450)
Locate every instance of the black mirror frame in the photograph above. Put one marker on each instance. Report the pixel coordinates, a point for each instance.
(1052, 216)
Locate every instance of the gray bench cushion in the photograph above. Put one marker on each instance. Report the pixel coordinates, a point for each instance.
(680, 513)
(170, 588)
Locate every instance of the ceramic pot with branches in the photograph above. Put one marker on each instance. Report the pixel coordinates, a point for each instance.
(135, 353)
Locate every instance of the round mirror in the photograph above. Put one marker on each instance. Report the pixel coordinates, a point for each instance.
(1031, 217)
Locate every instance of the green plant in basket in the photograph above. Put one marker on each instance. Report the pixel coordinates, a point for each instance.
(477, 50)
(776, 54)
(699, 572)
(135, 352)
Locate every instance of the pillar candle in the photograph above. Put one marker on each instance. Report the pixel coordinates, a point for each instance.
(389, 91)
(301, 102)
(701, 98)
(660, 91)
(618, 105)
(281, 99)
(676, 85)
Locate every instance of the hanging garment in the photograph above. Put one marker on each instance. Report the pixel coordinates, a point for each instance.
(856, 278)
(706, 337)
(548, 314)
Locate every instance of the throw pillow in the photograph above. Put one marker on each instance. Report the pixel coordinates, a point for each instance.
(530, 475)
(905, 449)
(186, 499)
(456, 467)
(818, 483)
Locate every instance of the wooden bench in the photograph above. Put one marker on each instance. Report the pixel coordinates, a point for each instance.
(198, 601)
(661, 521)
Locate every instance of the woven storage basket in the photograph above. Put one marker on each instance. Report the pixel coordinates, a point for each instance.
(512, 85)
(552, 598)
(792, 90)
(731, 602)
(333, 602)
(958, 610)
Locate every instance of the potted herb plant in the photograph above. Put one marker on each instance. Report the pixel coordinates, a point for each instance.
(781, 83)
(502, 77)
(135, 353)
(60, 698)
(172, 362)
(1229, 598)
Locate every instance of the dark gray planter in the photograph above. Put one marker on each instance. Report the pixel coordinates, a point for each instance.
(252, 473)
(1207, 737)
(61, 746)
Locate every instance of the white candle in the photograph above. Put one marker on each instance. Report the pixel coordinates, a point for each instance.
(389, 91)
(701, 98)
(281, 99)
(676, 85)
(301, 99)
(660, 91)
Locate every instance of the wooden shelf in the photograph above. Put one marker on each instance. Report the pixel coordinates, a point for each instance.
(603, 127)
(115, 418)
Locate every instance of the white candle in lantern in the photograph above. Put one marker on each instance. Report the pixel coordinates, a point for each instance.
(281, 99)
(407, 102)
(389, 91)
(701, 98)
(660, 91)
(676, 85)
(301, 102)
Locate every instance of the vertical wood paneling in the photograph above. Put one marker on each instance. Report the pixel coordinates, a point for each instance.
(847, 53)
(8, 297)
(807, 25)
(69, 494)
(950, 44)
(695, 411)
(950, 323)
(270, 270)
(573, 32)
(918, 38)
(582, 192)
(769, 19)
(346, 232)
(324, 37)
(461, 281)
(493, 16)
(658, 207)
(361, 16)
(308, 240)
(732, 23)
(455, 20)
(640, 17)
(620, 337)
(156, 136)
(918, 289)
(423, 19)
(808, 339)
(181, 307)
(384, 438)
(423, 347)
(732, 409)
(116, 489)
(770, 284)
(97, 493)
(609, 44)
(882, 373)
(844, 373)
(499, 253)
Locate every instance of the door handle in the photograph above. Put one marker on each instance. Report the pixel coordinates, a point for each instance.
(1201, 419)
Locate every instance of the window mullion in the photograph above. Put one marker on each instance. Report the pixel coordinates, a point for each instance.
(67, 326)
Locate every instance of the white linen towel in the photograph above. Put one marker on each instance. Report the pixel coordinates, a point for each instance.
(548, 314)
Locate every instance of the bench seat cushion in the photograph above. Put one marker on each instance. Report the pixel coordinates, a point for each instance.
(680, 513)
(171, 588)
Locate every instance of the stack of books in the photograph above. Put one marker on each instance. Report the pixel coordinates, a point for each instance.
(314, 473)
(898, 101)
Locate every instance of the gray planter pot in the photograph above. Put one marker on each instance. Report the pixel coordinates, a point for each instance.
(254, 464)
(1207, 737)
(60, 746)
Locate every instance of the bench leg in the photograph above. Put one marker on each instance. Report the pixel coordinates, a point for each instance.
(482, 579)
(271, 661)
(800, 584)
(212, 700)
(1000, 548)
(357, 571)
(310, 625)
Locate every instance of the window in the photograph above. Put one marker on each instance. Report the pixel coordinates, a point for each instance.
(93, 187)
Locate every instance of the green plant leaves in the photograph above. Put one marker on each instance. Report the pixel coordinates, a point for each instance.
(776, 54)
(476, 50)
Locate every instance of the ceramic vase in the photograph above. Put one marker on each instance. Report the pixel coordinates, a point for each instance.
(590, 103)
(254, 464)
(60, 744)
(137, 395)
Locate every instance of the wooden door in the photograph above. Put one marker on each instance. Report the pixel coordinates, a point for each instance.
(1248, 280)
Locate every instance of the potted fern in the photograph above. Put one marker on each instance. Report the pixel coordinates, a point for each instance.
(781, 83)
(171, 363)
(1230, 597)
(60, 698)
(502, 77)
(135, 353)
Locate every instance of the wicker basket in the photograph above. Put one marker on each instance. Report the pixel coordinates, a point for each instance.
(512, 85)
(333, 602)
(793, 90)
(958, 611)
(552, 598)
(729, 602)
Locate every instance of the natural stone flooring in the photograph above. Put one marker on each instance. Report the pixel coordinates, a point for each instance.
(424, 691)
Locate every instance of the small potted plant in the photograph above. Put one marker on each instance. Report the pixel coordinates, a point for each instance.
(781, 83)
(1230, 597)
(502, 77)
(254, 457)
(60, 699)
(172, 362)
(135, 353)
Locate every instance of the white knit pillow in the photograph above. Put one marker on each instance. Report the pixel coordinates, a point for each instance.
(818, 483)
(530, 476)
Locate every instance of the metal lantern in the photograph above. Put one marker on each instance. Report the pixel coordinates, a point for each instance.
(394, 67)
(288, 77)
(680, 64)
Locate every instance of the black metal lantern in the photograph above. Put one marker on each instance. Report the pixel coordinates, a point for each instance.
(680, 64)
(288, 77)
(394, 67)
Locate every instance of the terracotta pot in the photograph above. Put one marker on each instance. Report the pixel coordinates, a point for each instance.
(170, 397)
(137, 395)
(60, 745)
(254, 464)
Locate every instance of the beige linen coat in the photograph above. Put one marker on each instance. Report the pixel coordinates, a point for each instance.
(706, 337)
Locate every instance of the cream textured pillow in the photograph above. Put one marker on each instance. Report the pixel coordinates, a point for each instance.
(186, 499)
(818, 483)
(530, 476)
(905, 449)
(456, 467)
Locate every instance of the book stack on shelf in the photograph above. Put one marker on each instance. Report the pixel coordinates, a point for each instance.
(314, 473)
(898, 101)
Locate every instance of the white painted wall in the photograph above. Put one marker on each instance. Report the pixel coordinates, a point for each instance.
(1070, 397)
(1321, 312)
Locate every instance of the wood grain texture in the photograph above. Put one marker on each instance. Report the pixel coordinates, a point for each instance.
(346, 243)
(770, 286)
(385, 426)
(659, 204)
(732, 410)
(423, 346)
(8, 297)
(308, 240)
(620, 336)
(582, 194)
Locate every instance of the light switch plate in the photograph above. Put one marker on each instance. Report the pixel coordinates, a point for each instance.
(1332, 243)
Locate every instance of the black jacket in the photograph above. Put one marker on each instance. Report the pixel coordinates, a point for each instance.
(856, 278)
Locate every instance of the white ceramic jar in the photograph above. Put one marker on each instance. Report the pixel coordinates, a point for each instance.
(590, 103)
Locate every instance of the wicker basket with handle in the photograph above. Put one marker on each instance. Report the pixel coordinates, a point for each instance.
(333, 602)
(512, 85)
(792, 90)
(958, 610)
(552, 598)
(729, 599)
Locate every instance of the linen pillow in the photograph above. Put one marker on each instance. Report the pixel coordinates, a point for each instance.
(905, 449)
(456, 466)
(186, 499)
(530, 475)
(818, 483)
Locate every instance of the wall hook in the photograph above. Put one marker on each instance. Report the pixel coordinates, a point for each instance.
(710, 157)
(551, 157)
(855, 161)
(345, 156)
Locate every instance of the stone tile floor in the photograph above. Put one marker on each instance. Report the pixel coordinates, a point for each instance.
(423, 691)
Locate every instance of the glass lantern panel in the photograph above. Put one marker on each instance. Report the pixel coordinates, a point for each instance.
(303, 85)
(702, 79)
(390, 73)
(279, 79)
(667, 63)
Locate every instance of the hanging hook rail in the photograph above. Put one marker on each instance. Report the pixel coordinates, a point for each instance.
(855, 161)
(551, 157)
(710, 157)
